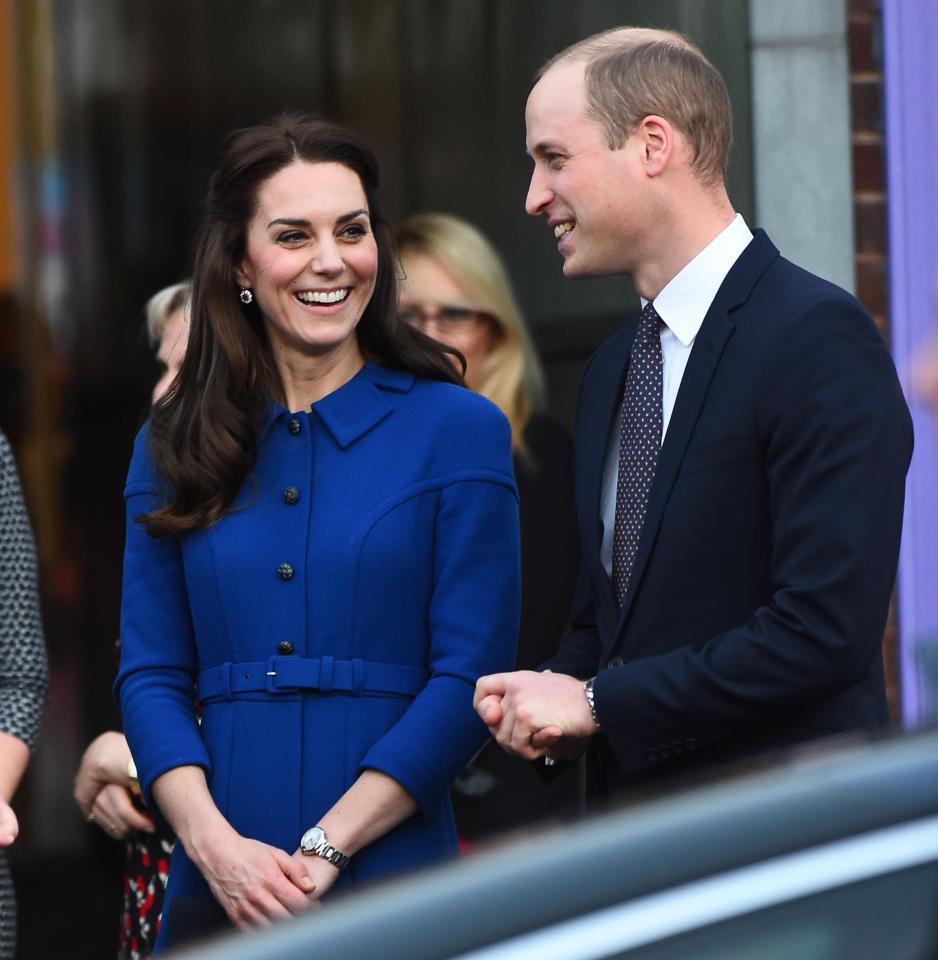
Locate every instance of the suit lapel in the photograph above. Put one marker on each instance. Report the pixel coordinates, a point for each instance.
(712, 338)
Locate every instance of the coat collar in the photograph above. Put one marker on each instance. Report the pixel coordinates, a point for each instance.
(358, 405)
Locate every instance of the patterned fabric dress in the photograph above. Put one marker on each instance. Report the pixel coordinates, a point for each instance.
(144, 886)
(23, 668)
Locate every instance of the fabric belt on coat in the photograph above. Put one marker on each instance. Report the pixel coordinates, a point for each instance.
(285, 675)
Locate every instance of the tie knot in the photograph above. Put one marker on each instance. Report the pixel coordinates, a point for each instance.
(649, 323)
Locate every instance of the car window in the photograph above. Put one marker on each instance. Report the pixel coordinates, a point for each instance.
(894, 916)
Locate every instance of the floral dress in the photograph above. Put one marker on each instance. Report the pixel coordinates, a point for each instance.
(144, 885)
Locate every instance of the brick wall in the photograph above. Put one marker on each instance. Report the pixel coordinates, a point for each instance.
(869, 170)
(864, 25)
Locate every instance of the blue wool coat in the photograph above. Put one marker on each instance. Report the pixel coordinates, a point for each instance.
(334, 620)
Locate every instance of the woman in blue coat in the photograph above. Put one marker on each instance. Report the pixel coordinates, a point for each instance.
(322, 551)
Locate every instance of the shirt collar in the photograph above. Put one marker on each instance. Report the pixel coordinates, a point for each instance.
(358, 405)
(685, 300)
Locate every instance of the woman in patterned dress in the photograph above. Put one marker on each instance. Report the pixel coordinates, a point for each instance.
(23, 670)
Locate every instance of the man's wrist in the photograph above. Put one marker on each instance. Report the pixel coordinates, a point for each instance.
(591, 700)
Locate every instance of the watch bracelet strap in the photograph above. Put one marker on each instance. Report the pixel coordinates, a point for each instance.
(322, 848)
(591, 700)
(329, 852)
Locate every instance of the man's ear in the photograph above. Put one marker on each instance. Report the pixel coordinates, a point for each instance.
(658, 143)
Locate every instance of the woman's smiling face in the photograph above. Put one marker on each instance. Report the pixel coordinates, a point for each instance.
(310, 257)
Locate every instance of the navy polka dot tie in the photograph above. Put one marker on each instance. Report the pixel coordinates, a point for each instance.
(639, 443)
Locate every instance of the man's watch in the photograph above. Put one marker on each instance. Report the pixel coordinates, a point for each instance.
(315, 843)
(590, 699)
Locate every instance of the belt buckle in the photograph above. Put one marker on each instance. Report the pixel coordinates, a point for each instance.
(273, 686)
(273, 679)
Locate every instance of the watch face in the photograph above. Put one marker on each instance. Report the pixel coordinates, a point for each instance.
(311, 839)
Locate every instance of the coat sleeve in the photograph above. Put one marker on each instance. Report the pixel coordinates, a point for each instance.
(579, 654)
(550, 541)
(837, 441)
(155, 685)
(472, 618)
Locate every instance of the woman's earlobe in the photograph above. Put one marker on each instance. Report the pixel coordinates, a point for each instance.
(240, 276)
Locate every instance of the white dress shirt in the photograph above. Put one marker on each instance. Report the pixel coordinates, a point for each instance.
(682, 305)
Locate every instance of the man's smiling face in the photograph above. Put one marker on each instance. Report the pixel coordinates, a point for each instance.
(596, 200)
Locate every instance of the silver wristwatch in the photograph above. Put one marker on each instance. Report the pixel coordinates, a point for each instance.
(315, 843)
(590, 699)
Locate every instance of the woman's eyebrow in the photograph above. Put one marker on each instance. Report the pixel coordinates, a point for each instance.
(350, 216)
(289, 222)
(300, 222)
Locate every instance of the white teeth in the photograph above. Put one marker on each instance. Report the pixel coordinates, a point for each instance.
(322, 296)
(563, 228)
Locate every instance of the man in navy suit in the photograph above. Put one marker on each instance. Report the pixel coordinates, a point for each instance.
(737, 568)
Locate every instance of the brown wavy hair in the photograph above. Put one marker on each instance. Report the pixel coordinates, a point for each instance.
(204, 430)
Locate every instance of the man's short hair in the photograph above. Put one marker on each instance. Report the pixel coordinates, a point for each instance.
(632, 72)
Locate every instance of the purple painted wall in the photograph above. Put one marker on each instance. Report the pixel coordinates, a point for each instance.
(910, 34)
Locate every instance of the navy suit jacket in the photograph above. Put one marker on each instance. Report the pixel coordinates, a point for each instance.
(768, 555)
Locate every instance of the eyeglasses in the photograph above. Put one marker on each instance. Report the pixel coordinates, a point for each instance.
(446, 317)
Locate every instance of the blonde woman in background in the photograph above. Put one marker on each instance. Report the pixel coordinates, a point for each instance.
(456, 289)
(167, 314)
(105, 785)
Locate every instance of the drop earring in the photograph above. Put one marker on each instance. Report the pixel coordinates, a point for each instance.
(246, 296)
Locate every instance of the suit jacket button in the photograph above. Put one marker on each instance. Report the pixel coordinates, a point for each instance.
(651, 754)
(664, 752)
(285, 571)
(291, 495)
(293, 425)
(285, 647)
(615, 662)
(690, 744)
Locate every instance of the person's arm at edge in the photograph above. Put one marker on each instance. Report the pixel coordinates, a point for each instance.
(14, 756)
(23, 661)
(102, 787)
